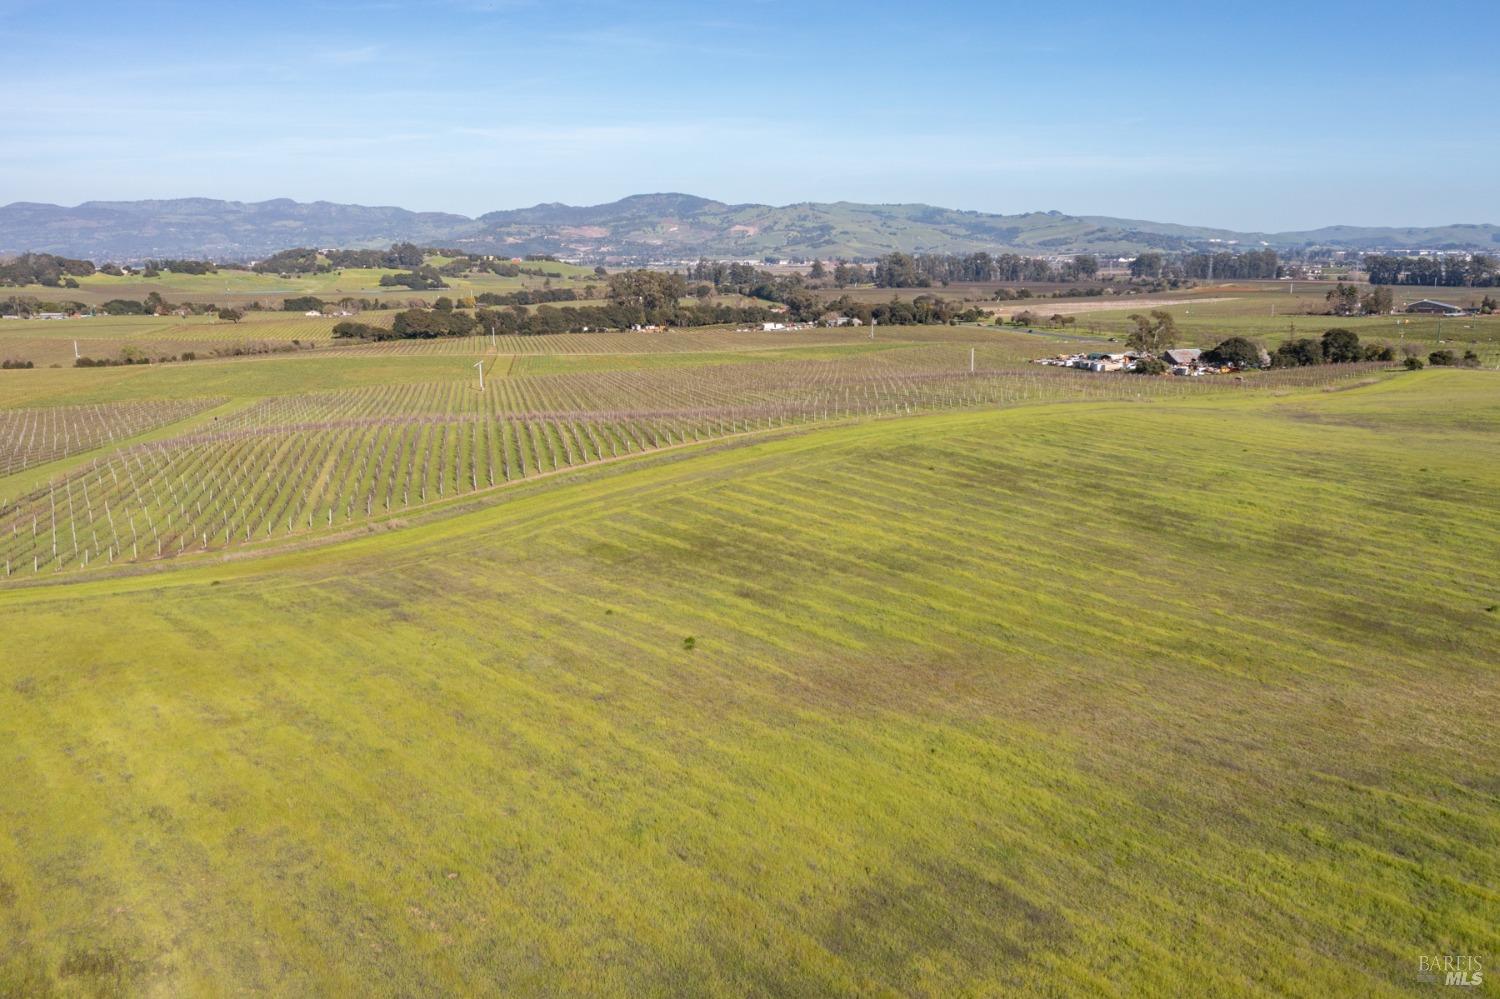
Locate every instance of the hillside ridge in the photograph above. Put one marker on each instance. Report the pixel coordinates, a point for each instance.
(651, 227)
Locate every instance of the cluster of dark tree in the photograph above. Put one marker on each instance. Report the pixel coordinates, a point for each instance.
(45, 269)
(123, 307)
(1252, 265)
(156, 305)
(1445, 358)
(744, 279)
(503, 268)
(1337, 346)
(1478, 270)
(312, 303)
(1153, 265)
(420, 279)
(726, 275)
(1346, 300)
(924, 310)
(652, 291)
(155, 267)
(306, 260)
(519, 321)
(26, 305)
(110, 362)
(408, 257)
(9, 365)
(1028, 318)
(535, 296)
(1150, 265)
(575, 319)
(421, 324)
(923, 270)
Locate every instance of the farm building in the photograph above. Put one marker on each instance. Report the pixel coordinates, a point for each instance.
(1428, 307)
(1185, 356)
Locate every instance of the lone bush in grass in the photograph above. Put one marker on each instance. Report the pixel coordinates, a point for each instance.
(1379, 352)
(1413, 363)
(1442, 358)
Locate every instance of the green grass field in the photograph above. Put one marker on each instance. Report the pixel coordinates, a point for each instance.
(241, 286)
(1087, 685)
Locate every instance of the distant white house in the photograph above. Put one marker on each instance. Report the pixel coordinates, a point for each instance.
(768, 327)
(312, 312)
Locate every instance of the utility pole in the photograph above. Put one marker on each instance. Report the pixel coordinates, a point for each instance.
(971, 360)
(480, 366)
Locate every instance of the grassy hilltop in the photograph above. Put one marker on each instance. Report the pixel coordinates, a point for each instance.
(766, 664)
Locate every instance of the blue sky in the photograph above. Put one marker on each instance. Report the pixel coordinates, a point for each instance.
(1281, 116)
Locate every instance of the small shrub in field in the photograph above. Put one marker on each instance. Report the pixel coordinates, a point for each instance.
(1413, 363)
(689, 643)
(1440, 358)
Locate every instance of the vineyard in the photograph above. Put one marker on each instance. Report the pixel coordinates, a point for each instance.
(30, 437)
(47, 342)
(319, 462)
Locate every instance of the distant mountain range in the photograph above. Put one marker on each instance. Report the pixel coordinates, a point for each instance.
(646, 227)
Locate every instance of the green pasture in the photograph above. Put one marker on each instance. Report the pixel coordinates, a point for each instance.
(245, 378)
(1119, 698)
(239, 287)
